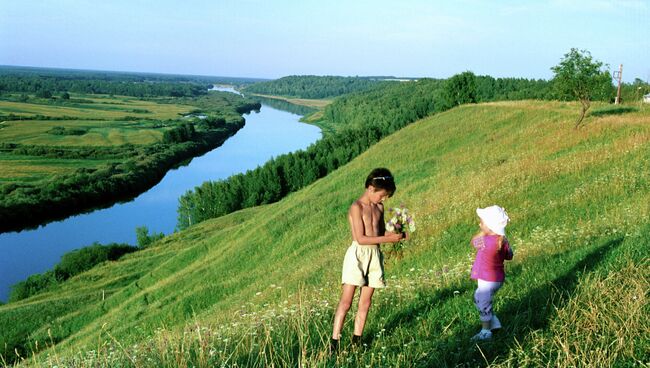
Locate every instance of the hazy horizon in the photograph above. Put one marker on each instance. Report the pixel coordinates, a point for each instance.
(272, 39)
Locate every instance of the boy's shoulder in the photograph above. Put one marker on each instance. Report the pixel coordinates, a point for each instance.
(356, 206)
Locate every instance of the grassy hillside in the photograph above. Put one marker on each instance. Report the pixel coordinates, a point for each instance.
(259, 287)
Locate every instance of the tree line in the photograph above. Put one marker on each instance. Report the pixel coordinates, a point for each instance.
(311, 86)
(46, 86)
(44, 81)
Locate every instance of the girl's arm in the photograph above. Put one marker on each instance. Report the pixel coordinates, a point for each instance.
(477, 240)
(359, 232)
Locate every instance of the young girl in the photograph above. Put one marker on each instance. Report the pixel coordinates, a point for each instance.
(492, 249)
(363, 263)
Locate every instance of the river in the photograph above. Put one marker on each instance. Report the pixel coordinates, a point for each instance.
(266, 134)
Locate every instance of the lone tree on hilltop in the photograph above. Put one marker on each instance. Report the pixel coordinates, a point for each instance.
(579, 76)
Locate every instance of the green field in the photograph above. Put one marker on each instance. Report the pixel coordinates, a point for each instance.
(259, 287)
(100, 107)
(29, 169)
(107, 121)
(97, 132)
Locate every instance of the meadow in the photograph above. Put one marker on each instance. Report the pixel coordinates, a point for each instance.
(95, 107)
(103, 121)
(258, 287)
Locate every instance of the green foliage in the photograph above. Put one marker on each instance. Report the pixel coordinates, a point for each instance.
(45, 81)
(179, 134)
(80, 260)
(634, 92)
(288, 173)
(33, 285)
(59, 130)
(127, 172)
(211, 122)
(43, 93)
(507, 89)
(613, 110)
(312, 86)
(460, 89)
(42, 85)
(579, 77)
(143, 237)
(71, 264)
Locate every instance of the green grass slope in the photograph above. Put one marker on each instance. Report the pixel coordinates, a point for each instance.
(259, 287)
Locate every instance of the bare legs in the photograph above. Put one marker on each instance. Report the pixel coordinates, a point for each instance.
(362, 312)
(345, 303)
(347, 294)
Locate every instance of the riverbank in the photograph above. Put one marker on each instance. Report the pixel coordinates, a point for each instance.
(311, 109)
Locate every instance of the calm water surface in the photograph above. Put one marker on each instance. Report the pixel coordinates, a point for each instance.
(267, 134)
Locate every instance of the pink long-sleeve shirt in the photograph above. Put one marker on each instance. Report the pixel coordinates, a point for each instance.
(488, 264)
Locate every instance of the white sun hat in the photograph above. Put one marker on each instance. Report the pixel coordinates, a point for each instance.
(495, 218)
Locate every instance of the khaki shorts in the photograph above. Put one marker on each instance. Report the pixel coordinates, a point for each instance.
(363, 265)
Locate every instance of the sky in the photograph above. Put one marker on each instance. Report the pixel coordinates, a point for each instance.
(276, 38)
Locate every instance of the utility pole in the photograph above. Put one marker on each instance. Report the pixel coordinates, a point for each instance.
(618, 75)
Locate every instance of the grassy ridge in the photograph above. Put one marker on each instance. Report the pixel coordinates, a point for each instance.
(259, 286)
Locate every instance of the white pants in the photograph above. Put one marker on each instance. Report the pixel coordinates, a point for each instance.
(483, 298)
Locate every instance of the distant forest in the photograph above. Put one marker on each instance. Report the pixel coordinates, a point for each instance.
(44, 81)
(311, 86)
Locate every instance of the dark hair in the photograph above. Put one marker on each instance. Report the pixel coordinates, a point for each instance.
(381, 178)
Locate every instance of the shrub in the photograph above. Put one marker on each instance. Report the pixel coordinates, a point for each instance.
(143, 237)
(72, 263)
(80, 260)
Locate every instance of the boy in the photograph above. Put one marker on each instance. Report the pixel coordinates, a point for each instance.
(363, 263)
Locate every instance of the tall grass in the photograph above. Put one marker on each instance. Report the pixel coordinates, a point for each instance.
(576, 316)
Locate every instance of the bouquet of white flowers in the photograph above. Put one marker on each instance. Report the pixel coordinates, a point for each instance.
(401, 221)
